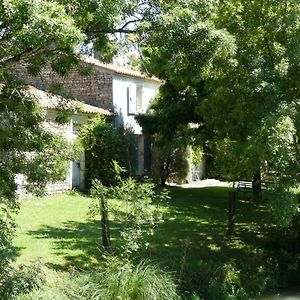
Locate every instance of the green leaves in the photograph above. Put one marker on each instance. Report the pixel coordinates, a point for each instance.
(188, 48)
(104, 146)
(32, 27)
(136, 210)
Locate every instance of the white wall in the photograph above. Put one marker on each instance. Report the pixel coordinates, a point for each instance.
(75, 175)
(120, 101)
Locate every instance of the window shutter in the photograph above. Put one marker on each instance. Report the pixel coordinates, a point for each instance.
(131, 99)
(139, 98)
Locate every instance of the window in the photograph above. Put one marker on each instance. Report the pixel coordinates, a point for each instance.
(131, 99)
(139, 98)
(135, 98)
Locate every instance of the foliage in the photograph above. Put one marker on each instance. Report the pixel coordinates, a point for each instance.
(103, 145)
(236, 280)
(173, 53)
(197, 155)
(225, 284)
(116, 280)
(37, 31)
(21, 280)
(284, 206)
(260, 134)
(170, 161)
(25, 148)
(244, 68)
(35, 34)
(136, 210)
(141, 215)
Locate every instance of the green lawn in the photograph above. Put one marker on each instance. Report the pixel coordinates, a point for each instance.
(191, 242)
(195, 228)
(57, 231)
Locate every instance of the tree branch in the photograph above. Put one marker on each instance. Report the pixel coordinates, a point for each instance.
(127, 23)
(269, 51)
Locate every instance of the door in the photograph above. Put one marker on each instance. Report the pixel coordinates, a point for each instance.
(75, 174)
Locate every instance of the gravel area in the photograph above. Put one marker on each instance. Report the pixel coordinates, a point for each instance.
(204, 183)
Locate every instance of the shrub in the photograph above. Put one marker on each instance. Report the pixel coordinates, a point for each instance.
(22, 280)
(103, 144)
(171, 161)
(136, 210)
(117, 280)
(235, 280)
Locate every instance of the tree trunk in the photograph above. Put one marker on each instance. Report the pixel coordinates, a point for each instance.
(165, 169)
(163, 175)
(257, 185)
(231, 212)
(105, 226)
(208, 160)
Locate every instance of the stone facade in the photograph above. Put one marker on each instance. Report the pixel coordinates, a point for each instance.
(107, 87)
(94, 89)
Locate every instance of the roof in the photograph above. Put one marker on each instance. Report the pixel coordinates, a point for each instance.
(52, 101)
(120, 70)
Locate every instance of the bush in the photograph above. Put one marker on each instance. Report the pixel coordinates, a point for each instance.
(103, 144)
(117, 280)
(136, 210)
(171, 162)
(22, 280)
(235, 280)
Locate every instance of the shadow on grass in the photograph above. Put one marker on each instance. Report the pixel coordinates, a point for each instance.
(194, 229)
(79, 243)
(14, 252)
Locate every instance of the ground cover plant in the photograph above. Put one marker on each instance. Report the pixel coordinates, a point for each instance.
(118, 280)
(191, 242)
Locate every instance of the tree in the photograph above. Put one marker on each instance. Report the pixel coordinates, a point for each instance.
(37, 33)
(240, 60)
(235, 64)
(259, 92)
(174, 53)
(31, 32)
(136, 210)
(27, 149)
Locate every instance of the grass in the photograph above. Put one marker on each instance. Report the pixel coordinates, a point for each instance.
(196, 228)
(56, 230)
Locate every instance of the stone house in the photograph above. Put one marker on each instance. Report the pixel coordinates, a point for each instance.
(114, 90)
(78, 115)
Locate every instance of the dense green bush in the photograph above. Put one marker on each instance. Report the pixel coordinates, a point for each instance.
(103, 144)
(234, 280)
(22, 280)
(171, 161)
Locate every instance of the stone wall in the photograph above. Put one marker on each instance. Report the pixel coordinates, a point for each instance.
(94, 89)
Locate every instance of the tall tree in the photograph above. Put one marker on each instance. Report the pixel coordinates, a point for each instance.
(37, 33)
(30, 31)
(182, 51)
(240, 60)
(259, 92)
